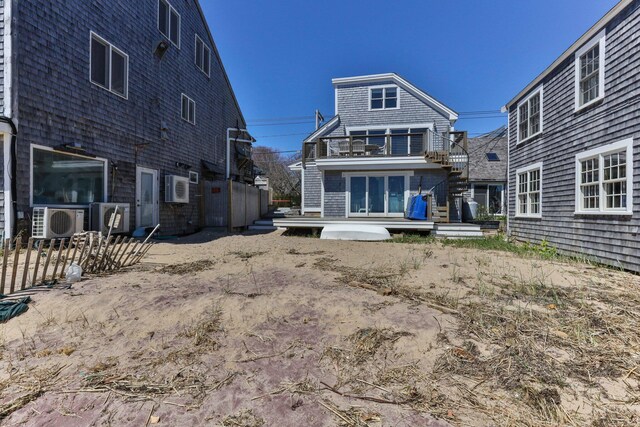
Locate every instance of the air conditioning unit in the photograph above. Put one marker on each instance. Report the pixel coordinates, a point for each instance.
(50, 223)
(103, 215)
(176, 189)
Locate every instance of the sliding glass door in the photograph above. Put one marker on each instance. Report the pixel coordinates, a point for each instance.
(377, 195)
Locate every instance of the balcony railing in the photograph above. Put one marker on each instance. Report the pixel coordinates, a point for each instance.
(385, 145)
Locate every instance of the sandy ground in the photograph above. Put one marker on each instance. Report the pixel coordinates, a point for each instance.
(252, 330)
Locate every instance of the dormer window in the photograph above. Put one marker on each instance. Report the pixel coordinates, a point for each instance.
(383, 98)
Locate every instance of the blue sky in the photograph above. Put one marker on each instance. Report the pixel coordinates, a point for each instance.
(471, 55)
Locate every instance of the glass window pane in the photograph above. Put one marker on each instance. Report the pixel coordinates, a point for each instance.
(199, 53)
(175, 28)
(390, 103)
(185, 108)
(358, 194)
(376, 194)
(391, 92)
(99, 63)
(396, 194)
(163, 17)
(207, 60)
(376, 93)
(399, 144)
(118, 73)
(192, 112)
(63, 179)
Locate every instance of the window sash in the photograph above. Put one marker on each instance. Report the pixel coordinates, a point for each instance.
(603, 182)
(529, 192)
(169, 22)
(188, 109)
(383, 98)
(530, 116)
(109, 66)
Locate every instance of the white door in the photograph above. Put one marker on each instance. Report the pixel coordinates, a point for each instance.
(147, 195)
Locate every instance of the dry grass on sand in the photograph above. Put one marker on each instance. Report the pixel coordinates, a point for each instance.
(268, 330)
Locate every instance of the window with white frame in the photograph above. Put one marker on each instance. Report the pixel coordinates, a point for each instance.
(604, 179)
(169, 22)
(61, 179)
(193, 177)
(530, 116)
(589, 65)
(203, 56)
(383, 98)
(188, 109)
(109, 66)
(529, 191)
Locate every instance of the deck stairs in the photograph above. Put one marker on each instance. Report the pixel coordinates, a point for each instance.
(450, 152)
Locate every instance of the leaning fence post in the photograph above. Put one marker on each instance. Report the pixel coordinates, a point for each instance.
(66, 257)
(5, 260)
(52, 246)
(60, 252)
(25, 272)
(35, 269)
(15, 265)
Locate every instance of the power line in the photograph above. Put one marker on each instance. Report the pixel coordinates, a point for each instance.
(279, 124)
(280, 119)
(284, 134)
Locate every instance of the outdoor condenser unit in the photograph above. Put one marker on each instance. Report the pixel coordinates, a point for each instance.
(50, 223)
(104, 216)
(176, 189)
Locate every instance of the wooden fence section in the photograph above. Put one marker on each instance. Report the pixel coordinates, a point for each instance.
(243, 203)
(33, 263)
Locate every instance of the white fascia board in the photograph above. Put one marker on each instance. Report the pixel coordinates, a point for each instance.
(322, 129)
(375, 163)
(418, 93)
(295, 166)
(599, 26)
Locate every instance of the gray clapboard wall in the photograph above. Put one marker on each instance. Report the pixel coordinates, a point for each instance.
(613, 240)
(312, 191)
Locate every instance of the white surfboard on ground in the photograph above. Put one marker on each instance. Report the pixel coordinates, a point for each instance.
(369, 233)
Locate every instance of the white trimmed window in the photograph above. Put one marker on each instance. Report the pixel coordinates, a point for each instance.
(529, 191)
(203, 56)
(530, 116)
(383, 98)
(169, 22)
(109, 66)
(188, 109)
(589, 64)
(604, 179)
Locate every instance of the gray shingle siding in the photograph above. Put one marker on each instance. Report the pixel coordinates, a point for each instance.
(353, 108)
(312, 187)
(57, 104)
(2, 57)
(334, 194)
(611, 239)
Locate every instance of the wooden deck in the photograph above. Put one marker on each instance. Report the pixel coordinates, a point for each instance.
(388, 223)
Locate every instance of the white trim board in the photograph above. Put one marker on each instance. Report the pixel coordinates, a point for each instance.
(322, 129)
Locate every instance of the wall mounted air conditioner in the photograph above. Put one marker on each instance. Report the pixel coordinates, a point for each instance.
(50, 223)
(176, 189)
(104, 214)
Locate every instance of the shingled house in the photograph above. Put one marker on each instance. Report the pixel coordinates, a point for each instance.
(574, 146)
(488, 171)
(109, 101)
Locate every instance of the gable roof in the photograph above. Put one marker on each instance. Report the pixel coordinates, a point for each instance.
(329, 125)
(224, 71)
(480, 167)
(415, 91)
(574, 47)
